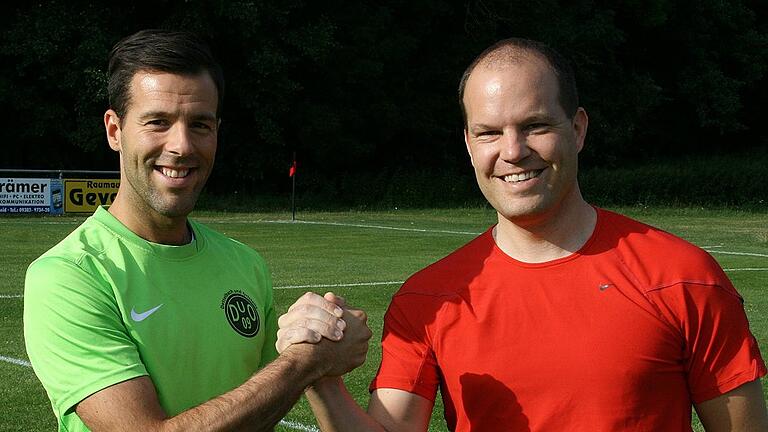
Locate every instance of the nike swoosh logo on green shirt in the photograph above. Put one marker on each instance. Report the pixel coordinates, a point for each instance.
(138, 317)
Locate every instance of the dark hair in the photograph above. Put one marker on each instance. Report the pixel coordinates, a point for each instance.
(514, 49)
(159, 50)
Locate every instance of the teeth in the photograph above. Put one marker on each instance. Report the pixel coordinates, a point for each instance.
(522, 176)
(172, 173)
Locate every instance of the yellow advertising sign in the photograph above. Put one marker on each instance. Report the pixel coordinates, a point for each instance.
(84, 195)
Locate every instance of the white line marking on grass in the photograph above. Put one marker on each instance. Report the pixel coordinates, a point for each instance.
(290, 424)
(746, 269)
(354, 284)
(16, 361)
(739, 253)
(13, 222)
(371, 226)
(282, 287)
(339, 285)
(224, 221)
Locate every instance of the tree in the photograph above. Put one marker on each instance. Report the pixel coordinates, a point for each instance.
(365, 91)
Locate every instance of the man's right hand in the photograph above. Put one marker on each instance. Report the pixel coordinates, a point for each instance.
(311, 318)
(324, 329)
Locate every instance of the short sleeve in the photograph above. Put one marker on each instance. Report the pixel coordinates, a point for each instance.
(720, 352)
(75, 338)
(269, 351)
(408, 361)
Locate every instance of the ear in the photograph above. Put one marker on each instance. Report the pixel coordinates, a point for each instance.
(580, 123)
(469, 150)
(112, 126)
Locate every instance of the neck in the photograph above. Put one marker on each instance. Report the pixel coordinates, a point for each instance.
(544, 237)
(150, 225)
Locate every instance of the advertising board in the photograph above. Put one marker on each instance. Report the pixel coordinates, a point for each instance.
(84, 195)
(30, 195)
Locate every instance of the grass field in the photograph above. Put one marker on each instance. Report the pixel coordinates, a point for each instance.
(371, 253)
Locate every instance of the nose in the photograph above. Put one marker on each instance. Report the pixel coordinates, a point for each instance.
(514, 147)
(180, 140)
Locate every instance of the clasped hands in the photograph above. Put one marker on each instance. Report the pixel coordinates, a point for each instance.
(333, 334)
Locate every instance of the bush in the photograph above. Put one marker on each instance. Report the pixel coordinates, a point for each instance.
(723, 181)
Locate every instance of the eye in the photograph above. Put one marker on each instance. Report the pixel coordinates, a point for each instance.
(487, 133)
(201, 125)
(536, 127)
(156, 123)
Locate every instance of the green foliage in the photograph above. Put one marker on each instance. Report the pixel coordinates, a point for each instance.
(366, 91)
(732, 181)
(382, 190)
(716, 181)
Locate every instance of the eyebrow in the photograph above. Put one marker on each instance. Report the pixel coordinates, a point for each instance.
(540, 117)
(480, 127)
(153, 114)
(533, 118)
(204, 116)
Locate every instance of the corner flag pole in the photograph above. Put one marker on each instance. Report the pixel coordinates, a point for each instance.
(292, 173)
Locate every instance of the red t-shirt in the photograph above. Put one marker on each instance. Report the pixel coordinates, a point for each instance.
(623, 335)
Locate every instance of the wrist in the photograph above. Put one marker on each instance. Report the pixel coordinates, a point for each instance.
(326, 384)
(302, 362)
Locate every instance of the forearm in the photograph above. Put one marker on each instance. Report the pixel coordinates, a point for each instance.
(258, 404)
(336, 410)
(742, 409)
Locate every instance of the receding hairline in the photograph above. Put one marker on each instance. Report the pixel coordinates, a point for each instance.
(506, 56)
(152, 71)
(516, 51)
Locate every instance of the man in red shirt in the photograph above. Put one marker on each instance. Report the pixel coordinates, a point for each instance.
(562, 316)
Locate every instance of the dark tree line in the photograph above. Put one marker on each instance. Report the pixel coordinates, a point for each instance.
(366, 90)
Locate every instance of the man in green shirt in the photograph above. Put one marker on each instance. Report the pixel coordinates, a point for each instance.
(142, 319)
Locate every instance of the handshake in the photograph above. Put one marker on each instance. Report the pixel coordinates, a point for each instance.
(325, 331)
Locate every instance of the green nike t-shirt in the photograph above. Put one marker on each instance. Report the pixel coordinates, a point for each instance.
(104, 306)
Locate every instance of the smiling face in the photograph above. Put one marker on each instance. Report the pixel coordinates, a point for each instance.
(167, 143)
(524, 147)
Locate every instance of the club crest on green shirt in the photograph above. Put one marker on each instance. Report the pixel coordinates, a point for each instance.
(241, 313)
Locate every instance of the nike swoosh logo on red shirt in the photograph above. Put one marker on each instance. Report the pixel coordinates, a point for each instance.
(138, 317)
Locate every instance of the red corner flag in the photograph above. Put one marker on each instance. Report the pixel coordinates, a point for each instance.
(292, 175)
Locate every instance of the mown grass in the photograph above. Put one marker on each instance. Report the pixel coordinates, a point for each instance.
(332, 251)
